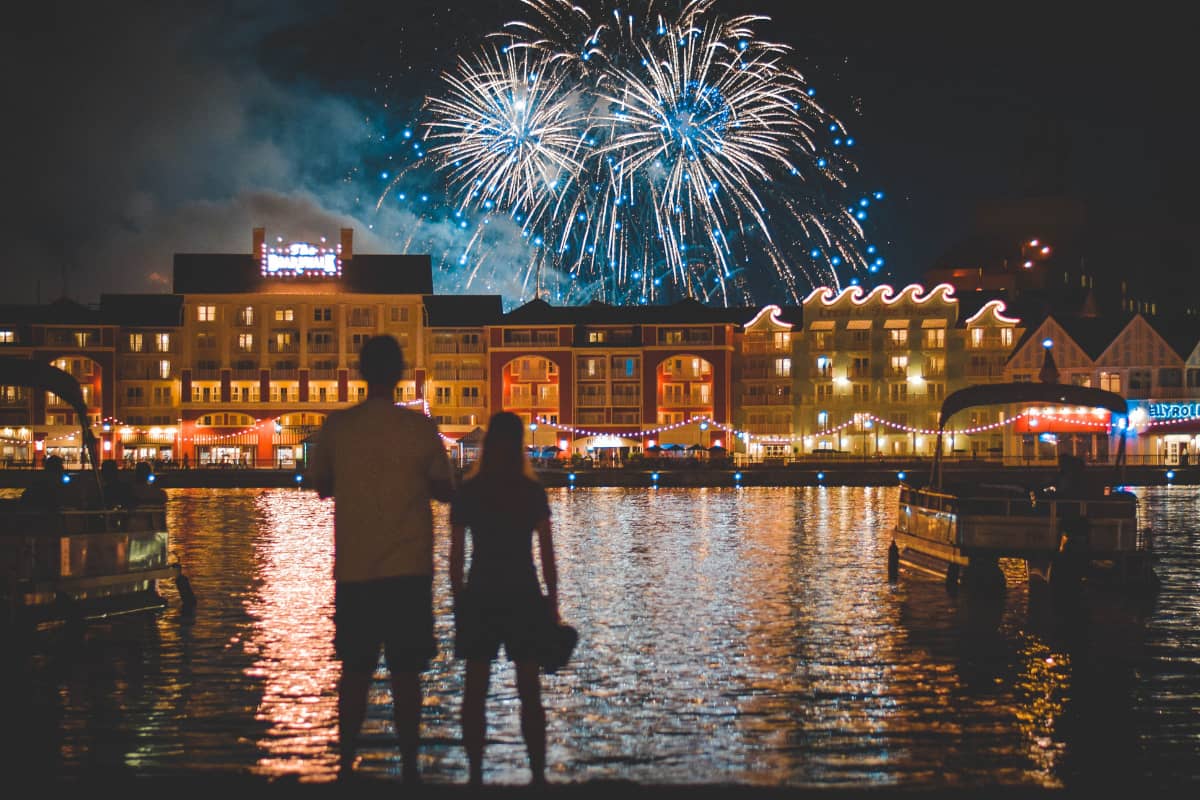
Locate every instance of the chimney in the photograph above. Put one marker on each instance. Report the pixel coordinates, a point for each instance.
(260, 236)
(347, 244)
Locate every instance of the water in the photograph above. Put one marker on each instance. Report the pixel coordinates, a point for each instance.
(726, 635)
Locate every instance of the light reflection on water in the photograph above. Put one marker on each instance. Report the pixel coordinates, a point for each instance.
(726, 635)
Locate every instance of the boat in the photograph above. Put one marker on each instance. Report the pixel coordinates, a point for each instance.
(80, 556)
(1072, 532)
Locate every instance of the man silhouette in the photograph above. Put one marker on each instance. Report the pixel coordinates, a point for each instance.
(382, 464)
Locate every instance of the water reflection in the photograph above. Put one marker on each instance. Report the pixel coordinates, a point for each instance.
(726, 635)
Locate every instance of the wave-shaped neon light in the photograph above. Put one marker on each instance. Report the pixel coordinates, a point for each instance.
(996, 307)
(884, 293)
(774, 311)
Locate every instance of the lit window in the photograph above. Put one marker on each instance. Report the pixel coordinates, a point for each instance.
(399, 314)
(284, 314)
(246, 342)
(135, 343)
(245, 315)
(164, 369)
(1006, 337)
(976, 337)
(783, 367)
(7, 337)
(206, 313)
(162, 342)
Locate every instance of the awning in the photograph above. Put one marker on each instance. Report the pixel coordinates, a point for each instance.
(821, 325)
(858, 325)
(933, 323)
(895, 323)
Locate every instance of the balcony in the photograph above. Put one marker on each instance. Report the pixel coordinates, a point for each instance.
(756, 372)
(627, 398)
(322, 374)
(322, 347)
(531, 375)
(443, 347)
(767, 399)
(444, 374)
(470, 402)
(282, 347)
(285, 374)
(758, 347)
(245, 373)
(206, 373)
(897, 373)
(689, 374)
(472, 374)
(592, 400)
(769, 428)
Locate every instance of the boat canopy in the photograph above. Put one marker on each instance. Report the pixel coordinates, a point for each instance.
(34, 374)
(1004, 393)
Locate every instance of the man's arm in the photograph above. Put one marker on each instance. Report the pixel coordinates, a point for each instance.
(549, 567)
(321, 462)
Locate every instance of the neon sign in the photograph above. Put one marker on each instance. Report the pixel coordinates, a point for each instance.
(301, 258)
(1164, 411)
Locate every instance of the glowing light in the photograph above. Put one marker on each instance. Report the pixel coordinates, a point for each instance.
(300, 258)
(820, 476)
(1170, 474)
(1047, 343)
(737, 476)
(900, 475)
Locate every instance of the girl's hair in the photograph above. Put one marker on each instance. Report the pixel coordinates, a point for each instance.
(503, 455)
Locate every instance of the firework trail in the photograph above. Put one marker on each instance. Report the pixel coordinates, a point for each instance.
(652, 157)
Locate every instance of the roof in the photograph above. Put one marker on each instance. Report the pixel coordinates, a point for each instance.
(685, 312)
(1181, 332)
(237, 273)
(1092, 334)
(60, 312)
(463, 310)
(1029, 392)
(149, 310)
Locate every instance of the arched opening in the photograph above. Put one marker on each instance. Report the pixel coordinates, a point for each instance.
(684, 392)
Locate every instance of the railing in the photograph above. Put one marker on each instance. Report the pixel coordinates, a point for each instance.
(276, 347)
(286, 374)
(755, 372)
(593, 400)
(769, 429)
(626, 398)
(206, 374)
(766, 399)
(322, 347)
(444, 374)
(472, 373)
(470, 402)
(322, 374)
(531, 375)
(749, 347)
(245, 374)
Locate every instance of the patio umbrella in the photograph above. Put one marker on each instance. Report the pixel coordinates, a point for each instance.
(697, 448)
(654, 449)
(716, 449)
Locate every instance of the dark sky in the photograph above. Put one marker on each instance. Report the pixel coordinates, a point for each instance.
(143, 129)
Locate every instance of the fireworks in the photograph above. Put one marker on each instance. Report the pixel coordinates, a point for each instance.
(653, 157)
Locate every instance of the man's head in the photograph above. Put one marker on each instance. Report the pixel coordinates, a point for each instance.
(54, 465)
(142, 472)
(381, 361)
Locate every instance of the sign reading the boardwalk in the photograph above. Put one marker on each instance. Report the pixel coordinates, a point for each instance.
(1157, 410)
(301, 258)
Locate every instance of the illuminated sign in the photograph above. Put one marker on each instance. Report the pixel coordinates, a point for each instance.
(301, 258)
(1156, 410)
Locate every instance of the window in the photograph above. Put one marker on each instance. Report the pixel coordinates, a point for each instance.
(322, 314)
(596, 337)
(162, 395)
(824, 392)
(82, 338)
(862, 392)
(783, 340)
(1081, 379)
(1193, 378)
(626, 366)
(361, 317)
(135, 342)
(670, 337)
(399, 313)
(591, 368)
(673, 393)
(245, 342)
(936, 392)
(824, 366)
(821, 340)
(934, 366)
(206, 313)
(470, 394)
(860, 339)
(822, 418)
(162, 342)
(1139, 379)
(285, 314)
(899, 366)
(860, 367)
(206, 341)
(164, 369)
(1006, 337)
(1170, 377)
(1110, 382)
(245, 315)
(977, 337)
(134, 395)
(442, 394)
(935, 338)
(7, 337)
(783, 367)
(898, 392)
(898, 337)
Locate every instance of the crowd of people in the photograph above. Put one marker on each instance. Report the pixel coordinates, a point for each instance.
(55, 488)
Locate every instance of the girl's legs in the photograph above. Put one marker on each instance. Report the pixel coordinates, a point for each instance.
(473, 722)
(533, 718)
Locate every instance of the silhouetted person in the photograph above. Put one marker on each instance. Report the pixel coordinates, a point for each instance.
(382, 464)
(118, 492)
(144, 492)
(502, 504)
(49, 490)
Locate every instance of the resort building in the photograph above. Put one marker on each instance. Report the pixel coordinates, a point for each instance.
(244, 360)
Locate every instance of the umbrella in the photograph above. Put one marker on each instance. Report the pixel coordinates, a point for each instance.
(716, 448)
(672, 447)
(654, 449)
(697, 448)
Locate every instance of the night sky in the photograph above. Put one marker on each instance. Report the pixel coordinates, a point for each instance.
(162, 128)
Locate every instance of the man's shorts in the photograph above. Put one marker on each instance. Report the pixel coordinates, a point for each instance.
(483, 623)
(396, 613)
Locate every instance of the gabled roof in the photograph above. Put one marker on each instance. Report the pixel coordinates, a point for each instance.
(463, 310)
(1182, 333)
(1092, 334)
